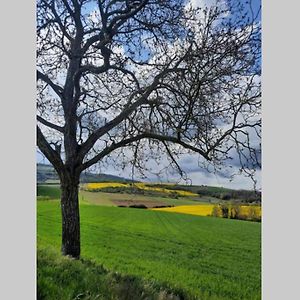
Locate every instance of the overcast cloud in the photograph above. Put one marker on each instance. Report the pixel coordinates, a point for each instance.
(189, 164)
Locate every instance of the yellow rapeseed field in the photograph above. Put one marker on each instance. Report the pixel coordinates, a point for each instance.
(143, 186)
(206, 209)
(139, 185)
(199, 210)
(100, 185)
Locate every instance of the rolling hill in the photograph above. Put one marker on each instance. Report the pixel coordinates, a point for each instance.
(45, 173)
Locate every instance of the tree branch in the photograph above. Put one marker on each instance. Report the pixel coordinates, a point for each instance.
(85, 147)
(49, 124)
(50, 153)
(146, 135)
(56, 88)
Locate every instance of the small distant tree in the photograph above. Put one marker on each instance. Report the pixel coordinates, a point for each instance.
(225, 196)
(253, 213)
(151, 77)
(235, 211)
(224, 210)
(216, 211)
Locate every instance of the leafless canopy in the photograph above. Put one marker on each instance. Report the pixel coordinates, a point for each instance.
(162, 75)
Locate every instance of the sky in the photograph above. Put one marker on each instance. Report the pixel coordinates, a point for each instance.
(188, 163)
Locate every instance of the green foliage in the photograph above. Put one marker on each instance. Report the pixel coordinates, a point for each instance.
(121, 189)
(216, 211)
(225, 210)
(253, 214)
(194, 257)
(135, 191)
(235, 211)
(228, 194)
(225, 196)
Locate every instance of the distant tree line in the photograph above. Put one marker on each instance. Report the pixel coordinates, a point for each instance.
(134, 190)
(241, 195)
(245, 196)
(235, 211)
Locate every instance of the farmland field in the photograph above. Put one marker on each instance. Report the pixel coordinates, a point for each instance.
(111, 199)
(195, 257)
(206, 209)
(140, 186)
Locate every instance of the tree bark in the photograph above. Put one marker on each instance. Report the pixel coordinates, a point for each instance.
(70, 217)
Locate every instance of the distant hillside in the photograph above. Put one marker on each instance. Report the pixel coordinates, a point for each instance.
(46, 173)
(219, 192)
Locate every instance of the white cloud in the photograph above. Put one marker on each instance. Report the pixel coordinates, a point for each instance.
(208, 4)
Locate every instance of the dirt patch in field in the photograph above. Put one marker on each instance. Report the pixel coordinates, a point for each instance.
(140, 203)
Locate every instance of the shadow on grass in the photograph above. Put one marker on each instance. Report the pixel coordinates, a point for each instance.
(63, 278)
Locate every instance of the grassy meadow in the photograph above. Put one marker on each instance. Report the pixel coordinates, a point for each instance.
(132, 253)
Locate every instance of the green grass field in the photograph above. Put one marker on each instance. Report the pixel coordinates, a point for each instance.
(48, 192)
(61, 278)
(195, 257)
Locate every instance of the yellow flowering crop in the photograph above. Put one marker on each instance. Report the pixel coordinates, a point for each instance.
(199, 210)
(101, 185)
(139, 185)
(207, 209)
(143, 186)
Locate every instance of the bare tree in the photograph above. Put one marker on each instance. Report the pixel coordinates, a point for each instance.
(165, 75)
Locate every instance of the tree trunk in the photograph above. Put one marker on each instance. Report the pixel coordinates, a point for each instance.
(70, 218)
